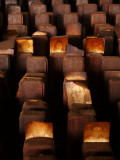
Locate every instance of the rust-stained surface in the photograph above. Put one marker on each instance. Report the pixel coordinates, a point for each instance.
(58, 45)
(98, 17)
(74, 29)
(73, 63)
(79, 2)
(38, 129)
(70, 18)
(15, 18)
(114, 8)
(95, 45)
(24, 45)
(35, 64)
(96, 132)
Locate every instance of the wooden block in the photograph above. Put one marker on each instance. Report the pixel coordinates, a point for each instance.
(79, 2)
(48, 28)
(32, 88)
(110, 63)
(98, 17)
(35, 64)
(96, 149)
(96, 132)
(41, 19)
(15, 18)
(70, 18)
(29, 116)
(35, 105)
(24, 45)
(74, 29)
(21, 29)
(34, 147)
(73, 63)
(40, 44)
(95, 45)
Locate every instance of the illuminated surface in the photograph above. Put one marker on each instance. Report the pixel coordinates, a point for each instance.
(24, 45)
(78, 76)
(96, 132)
(38, 129)
(37, 33)
(95, 45)
(78, 93)
(58, 44)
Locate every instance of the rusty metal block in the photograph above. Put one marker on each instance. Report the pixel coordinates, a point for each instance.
(35, 105)
(95, 45)
(70, 18)
(73, 63)
(48, 28)
(98, 17)
(35, 64)
(32, 88)
(15, 18)
(21, 29)
(74, 29)
(24, 45)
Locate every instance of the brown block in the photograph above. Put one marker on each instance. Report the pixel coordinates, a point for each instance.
(41, 19)
(117, 19)
(73, 63)
(31, 1)
(24, 45)
(79, 2)
(70, 18)
(110, 63)
(114, 9)
(21, 29)
(55, 2)
(70, 49)
(100, 158)
(35, 64)
(98, 17)
(109, 45)
(37, 146)
(59, 11)
(74, 29)
(114, 90)
(102, 27)
(40, 44)
(29, 116)
(37, 8)
(48, 28)
(96, 149)
(14, 8)
(111, 75)
(45, 157)
(20, 62)
(95, 45)
(51, 17)
(7, 47)
(32, 88)
(35, 105)
(10, 1)
(15, 18)
(75, 76)
(103, 2)
(4, 62)
(89, 9)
